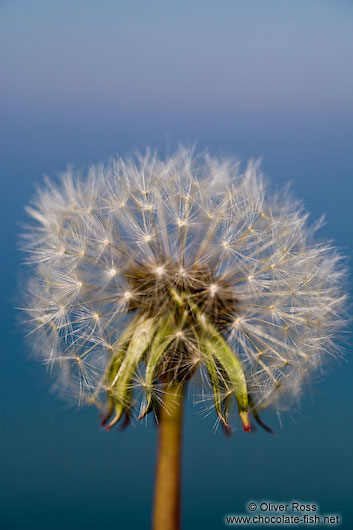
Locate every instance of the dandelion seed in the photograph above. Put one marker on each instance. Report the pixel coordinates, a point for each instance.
(213, 289)
(160, 270)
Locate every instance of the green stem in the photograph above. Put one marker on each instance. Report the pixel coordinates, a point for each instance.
(167, 487)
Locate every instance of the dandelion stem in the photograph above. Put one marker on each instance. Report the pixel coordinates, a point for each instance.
(167, 487)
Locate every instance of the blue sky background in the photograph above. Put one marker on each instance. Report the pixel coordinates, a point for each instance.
(83, 80)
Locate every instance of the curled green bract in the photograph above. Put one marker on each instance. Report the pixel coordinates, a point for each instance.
(124, 363)
(154, 342)
(161, 341)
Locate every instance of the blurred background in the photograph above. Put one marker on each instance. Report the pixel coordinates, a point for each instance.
(84, 80)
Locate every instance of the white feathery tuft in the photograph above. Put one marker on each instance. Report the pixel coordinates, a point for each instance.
(117, 243)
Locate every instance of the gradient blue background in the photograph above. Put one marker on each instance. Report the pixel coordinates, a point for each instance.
(83, 80)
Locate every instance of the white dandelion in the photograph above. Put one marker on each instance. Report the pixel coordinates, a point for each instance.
(148, 272)
(151, 273)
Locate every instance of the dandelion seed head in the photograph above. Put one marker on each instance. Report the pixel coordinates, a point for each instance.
(162, 265)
